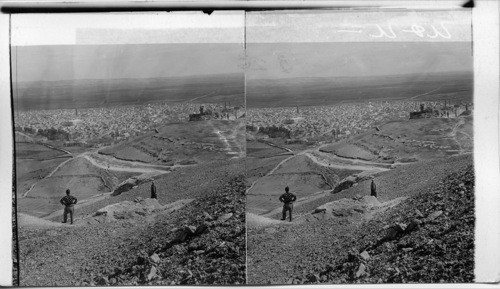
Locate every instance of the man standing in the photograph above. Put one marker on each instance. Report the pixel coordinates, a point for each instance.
(69, 206)
(373, 189)
(287, 199)
(153, 191)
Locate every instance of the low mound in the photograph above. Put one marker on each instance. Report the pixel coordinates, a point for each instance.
(409, 140)
(130, 153)
(128, 210)
(176, 143)
(350, 151)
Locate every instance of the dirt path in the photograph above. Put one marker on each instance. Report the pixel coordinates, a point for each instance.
(277, 146)
(324, 160)
(113, 164)
(454, 132)
(47, 176)
(108, 163)
(232, 149)
(270, 172)
(342, 162)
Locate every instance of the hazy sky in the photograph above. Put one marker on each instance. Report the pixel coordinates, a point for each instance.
(63, 62)
(279, 44)
(337, 59)
(346, 43)
(126, 45)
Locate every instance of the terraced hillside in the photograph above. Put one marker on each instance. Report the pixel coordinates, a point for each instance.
(408, 141)
(184, 143)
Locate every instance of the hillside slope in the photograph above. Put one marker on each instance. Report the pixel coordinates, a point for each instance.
(329, 249)
(201, 243)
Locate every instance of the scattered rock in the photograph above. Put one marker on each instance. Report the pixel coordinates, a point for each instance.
(225, 217)
(361, 270)
(433, 216)
(152, 273)
(419, 214)
(155, 258)
(365, 256)
(207, 216)
(190, 230)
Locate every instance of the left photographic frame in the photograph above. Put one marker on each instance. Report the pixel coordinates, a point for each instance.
(129, 146)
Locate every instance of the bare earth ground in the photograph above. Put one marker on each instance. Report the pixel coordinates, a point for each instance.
(118, 252)
(412, 162)
(89, 174)
(188, 142)
(279, 252)
(199, 239)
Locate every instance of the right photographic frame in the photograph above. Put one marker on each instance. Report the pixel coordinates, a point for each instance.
(359, 144)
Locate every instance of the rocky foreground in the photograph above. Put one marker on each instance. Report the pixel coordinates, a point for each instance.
(428, 237)
(200, 243)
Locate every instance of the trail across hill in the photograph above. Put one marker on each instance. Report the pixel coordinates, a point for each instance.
(232, 145)
(110, 163)
(323, 160)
